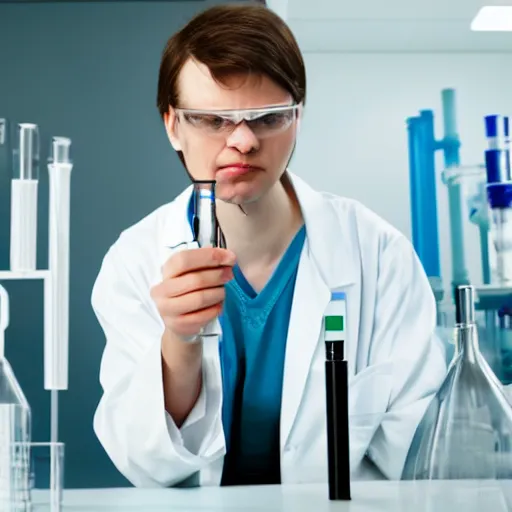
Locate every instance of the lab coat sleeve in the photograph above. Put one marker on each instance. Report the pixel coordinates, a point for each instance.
(131, 422)
(404, 334)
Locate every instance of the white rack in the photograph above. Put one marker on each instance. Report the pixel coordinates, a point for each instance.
(56, 277)
(15, 275)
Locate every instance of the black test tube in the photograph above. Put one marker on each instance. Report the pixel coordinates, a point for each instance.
(336, 382)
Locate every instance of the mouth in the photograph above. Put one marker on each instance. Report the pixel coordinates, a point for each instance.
(237, 169)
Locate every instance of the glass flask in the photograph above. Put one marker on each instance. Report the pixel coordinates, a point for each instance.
(466, 432)
(15, 430)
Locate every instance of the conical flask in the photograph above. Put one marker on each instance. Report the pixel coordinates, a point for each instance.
(466, 432)
(15, 430)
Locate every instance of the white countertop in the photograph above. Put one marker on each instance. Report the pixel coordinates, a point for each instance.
(381, 496)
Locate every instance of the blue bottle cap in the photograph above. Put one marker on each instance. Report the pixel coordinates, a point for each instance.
(497, 166)
(496, 126)
(499, 195)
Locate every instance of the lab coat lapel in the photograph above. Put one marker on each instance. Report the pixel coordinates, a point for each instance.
(175, 228)
(311, 297)
(322, 269)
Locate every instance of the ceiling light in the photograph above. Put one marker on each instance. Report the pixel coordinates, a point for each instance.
(493, 19)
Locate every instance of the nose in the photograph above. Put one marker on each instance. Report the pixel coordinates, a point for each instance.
(243, 139)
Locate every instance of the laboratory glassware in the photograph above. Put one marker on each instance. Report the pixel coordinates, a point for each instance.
(3, 130)
(499, 195)
(5, 149)
(336, 392)
(15, 430)
(207, 232)
(57, 341)
(466, 432)
(56, 352)
(47, 474)
(500, 203)
(24, 188)
(5, 194)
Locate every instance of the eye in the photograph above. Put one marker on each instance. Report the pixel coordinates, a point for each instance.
(207, 121)
(214, 121)
(274, 120)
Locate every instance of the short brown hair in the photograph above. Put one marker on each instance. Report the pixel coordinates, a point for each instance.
(233, 39)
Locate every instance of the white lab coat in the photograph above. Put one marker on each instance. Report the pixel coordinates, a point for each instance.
(396, 363)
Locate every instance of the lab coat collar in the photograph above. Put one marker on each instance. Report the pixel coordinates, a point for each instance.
(175, 227)
(327, 236)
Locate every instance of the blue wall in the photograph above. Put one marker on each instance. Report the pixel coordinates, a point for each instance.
(89, 72)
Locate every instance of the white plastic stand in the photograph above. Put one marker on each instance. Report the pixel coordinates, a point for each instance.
(56, 293)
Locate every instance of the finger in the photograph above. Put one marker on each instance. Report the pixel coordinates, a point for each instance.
(192, 302)
(191, 323)
(194, 259)
(195, 281)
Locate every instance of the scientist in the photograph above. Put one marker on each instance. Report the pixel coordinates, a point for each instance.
(250, 409)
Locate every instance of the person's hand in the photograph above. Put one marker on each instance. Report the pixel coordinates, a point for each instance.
(192, 292)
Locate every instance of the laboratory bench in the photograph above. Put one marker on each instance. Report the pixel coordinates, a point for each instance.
(374, 496)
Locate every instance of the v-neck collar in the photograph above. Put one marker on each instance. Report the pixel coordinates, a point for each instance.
(278, 280)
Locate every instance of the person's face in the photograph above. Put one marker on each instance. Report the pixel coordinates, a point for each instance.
(245, 158)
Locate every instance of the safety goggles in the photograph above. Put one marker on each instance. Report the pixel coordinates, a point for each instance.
(263, 122)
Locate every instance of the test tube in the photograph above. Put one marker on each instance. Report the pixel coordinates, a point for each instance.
(24, 186)
(207, 232)
(497, 155)
(4, 319)
(56, 349)
(499, 194)
(5, 185)
(3, 131)
(337, 406)
(497, 131)
(5, 151)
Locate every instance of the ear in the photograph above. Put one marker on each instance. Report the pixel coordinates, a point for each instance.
(170, 122)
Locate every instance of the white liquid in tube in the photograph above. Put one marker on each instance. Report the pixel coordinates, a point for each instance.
(23, 225)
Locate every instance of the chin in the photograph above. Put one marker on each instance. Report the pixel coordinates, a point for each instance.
(238, 194)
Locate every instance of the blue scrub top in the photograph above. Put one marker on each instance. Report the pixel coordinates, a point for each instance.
(252, 353)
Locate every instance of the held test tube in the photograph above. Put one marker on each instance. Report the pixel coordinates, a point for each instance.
(24, 186)
(336, 382)
(207, 232)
